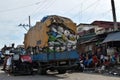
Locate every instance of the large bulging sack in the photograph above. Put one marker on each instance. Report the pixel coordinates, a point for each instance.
(54, 32)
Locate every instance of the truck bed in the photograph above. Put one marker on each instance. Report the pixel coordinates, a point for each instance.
(46, 57)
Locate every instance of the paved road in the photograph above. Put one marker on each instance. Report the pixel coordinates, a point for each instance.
(55, 76)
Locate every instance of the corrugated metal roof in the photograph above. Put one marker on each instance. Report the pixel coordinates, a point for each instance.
(105, 24)
(112, 37)
(86, 38)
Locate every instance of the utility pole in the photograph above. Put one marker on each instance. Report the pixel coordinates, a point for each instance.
(29, 22)
(114, 15)
(26, 25)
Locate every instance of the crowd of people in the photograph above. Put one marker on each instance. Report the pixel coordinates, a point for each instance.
(99, 59)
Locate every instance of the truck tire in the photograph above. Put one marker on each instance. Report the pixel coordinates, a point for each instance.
(14, 72)
(61, 71)
(79, 68)
(30, 69)
(41, 71)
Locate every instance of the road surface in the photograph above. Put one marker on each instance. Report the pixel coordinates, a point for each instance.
(55, 76)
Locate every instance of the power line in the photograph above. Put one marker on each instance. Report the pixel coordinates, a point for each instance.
(74, 7)
(13, 9)
(38, 7)
(43, 8)
(89, 6)
(37, 3)
(49, 5)
(95, 11)
(102, 15)
(83, 11)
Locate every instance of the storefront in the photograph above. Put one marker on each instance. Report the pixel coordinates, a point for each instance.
(112, 41)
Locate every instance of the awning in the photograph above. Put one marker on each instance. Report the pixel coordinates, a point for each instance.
(112, 37)
(90, 40)
(86, 38)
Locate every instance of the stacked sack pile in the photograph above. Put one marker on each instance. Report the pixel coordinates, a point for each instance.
(56, 34)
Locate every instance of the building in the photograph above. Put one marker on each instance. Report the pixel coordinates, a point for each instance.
(86, 34)
(91, 35)
(104, 26)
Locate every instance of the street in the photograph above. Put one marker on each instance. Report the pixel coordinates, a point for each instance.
(55, 76)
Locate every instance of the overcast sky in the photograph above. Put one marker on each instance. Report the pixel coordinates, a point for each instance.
(14, 12)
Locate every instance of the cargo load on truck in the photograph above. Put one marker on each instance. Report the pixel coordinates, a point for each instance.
(52, 34)
(53, 43)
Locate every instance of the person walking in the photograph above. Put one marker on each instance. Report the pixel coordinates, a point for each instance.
(8, 63)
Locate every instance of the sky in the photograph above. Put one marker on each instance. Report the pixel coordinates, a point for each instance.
(15, 12)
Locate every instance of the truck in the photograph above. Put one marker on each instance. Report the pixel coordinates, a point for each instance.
(60, 61)
(52, 45)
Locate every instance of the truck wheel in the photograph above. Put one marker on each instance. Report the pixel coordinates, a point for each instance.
(52, 69)
(61, 71)
(14, 72)
(41, 71)
(29, 69)
(81, 68)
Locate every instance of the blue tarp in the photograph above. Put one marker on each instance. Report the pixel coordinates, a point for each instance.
(112, 37)
(44, 18)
